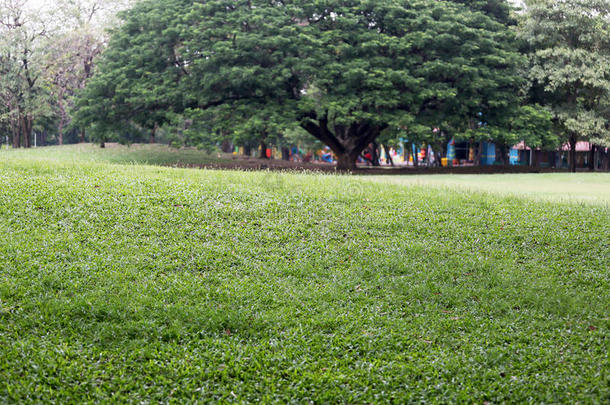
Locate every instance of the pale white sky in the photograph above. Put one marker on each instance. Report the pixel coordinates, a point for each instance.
(47, 10)
(41, 3)
(51, 4)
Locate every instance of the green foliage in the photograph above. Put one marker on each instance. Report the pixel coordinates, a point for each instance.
(533, 124)
(24, 92)
(529, 123)
(474, 71)
(343, 71)
(47, 53)
(147, 284)
(137, 81)
(569, 44)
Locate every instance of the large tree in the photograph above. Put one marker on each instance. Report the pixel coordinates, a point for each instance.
(569, 43)
(343, 70)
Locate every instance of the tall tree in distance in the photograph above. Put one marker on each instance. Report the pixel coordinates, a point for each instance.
(139, 79)
(47, 53)
(472, 61)
(80, 36)
(569, 55)
(21, 70)
(70, 65)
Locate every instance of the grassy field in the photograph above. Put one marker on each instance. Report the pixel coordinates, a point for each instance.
(559, 187)
(125, 283)
(155, 154)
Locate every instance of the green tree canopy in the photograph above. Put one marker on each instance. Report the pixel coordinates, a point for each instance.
(342, 70)
(569, 44)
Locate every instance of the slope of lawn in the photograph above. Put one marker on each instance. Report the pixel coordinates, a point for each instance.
(150, 284)
(564, 187)
(155, 154)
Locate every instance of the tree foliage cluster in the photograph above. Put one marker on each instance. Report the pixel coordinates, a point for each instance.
(349, 73)
(345, 72)
(568, 45)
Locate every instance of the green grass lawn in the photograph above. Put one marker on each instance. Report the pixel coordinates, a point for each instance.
(155, 154)
(559, 187)
(126, 283)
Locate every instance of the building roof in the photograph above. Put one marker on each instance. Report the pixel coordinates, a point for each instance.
(581, 146)
(521, 146)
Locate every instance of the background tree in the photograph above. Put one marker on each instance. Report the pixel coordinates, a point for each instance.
(47, 53)
(569, 54)
(528, 123)
(138, 82)
(80, 36)
(70, 65)
(342, 71)
(22, 87)
(474, 72)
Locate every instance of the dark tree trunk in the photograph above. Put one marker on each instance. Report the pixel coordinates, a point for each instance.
(443, 154)
(26, 129)
(60, 134)
(247, 150)
(346, 162)
(387, 153)
(226, 147)
(375, 154)
(347, 142)
(537, 158)
(285, 154)
(477, 154)
(501, 151)
(592, 158)
(263, 154)
(153, 134)
(605, 159)
(16, 135)
(429, 153)
(43, 138)
(22, 136)
(573, 154)
(415, 156)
